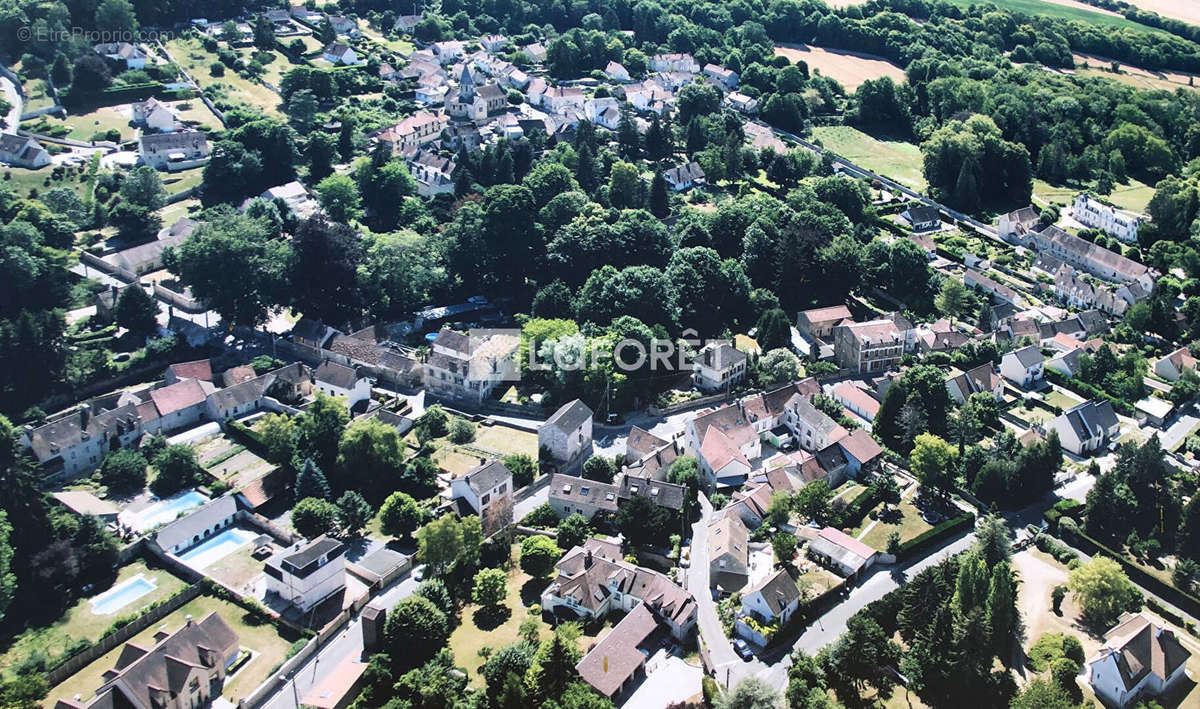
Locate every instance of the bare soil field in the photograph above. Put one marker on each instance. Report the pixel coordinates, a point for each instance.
(1092, 65)
(850, 69)
(1084, 6)
(1186, 10)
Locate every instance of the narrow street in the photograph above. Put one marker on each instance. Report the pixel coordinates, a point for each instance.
(13, 119)
(724, 659)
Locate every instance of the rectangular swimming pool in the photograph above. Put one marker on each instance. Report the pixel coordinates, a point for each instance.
(163, 511)
(218, 547)
(122, 595)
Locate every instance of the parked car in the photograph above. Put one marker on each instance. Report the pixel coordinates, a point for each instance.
(743, 649)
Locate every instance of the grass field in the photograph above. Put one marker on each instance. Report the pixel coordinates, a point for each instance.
(850, 69)
(503, 440)
(190, 54)
(177, 182)
(1067, 10)
(1133, 196)
(84, 126)
(1137, 77)
(263, 640)
(1061, 400)
(400, 46)
(897, 159)
(37, 95)
(479, 629)
(909, 526)
(80, 623)
(195, 111)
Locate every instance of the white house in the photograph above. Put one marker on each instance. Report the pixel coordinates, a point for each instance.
(566, 437)
(1023, 367)
(1087, 427)
(719, 367)
(78, 442)
(307, 573)
(674, 62)
(1171, 367)
(174, 151)
(616, 71)
(983, 378)
(486, 491)
(339, 380)
(922, 217)
(338, 53)
(128, 54)
(155, 114)
(21, 151)
(773, 601)
(1139, 659)
(493, 42)
(685, 177)
(727, 78)
(1091, 212)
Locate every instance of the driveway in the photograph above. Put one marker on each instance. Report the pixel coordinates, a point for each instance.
(724, 659)
(13, 119)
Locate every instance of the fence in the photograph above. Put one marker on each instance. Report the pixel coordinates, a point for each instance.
(90, 259)
(104, 645)
(177, 300)
(686, 405)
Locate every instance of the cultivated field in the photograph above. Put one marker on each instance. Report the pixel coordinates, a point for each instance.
(850, 69)
(1186, 10)
(897, 159)
(1067, 10)
(1092, 65)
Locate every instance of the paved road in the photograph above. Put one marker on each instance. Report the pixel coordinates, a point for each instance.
(344, 645)
(13, 119)
(721, 653)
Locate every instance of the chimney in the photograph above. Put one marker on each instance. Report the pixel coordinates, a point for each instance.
(188, 620)
(587, 560)
(115, 293)
(85, 414)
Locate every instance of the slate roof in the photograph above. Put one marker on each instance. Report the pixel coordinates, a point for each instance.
(1027, 356)
(50, 439)
(338, 375)
(570, 416)
(303, 561)
(569, 488)
(778, 591)
(205, 517)
(483, 478)
(721, 356)
(1142, 648)
(663, 494)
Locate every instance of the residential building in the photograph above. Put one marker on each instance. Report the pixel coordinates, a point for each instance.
(1172, 366)
(722, 457)
(685, 177)
(22, 151)
(982, 379)
(1023, 367)
(719, 367)
(493, 42)
(728, 554)
(124, 52)
(1000, 293)
(1086, 428)
(570, 495)
(155, 114)
(434, 173)
(447, 51)
(922, 217)
(871, 346)
(343, 25)
(294, 195)
(1139, 659)
(842, 553)
(594, 581)
(335, 379)
(468, 367)
(727, 79)
(818, 323)
(1091, 212)
(182, 404)
(565, 439)
(174, 151)
(1017, 224)
(773, 601)
(487, 490)
(200, 369)
(181, 670)
(664, 494)
(1087, 256)
(616, 662)
(79, 441)
(198, 526)
(419, 129)
(862, 453)
(674, 62)
(1065, 363)
(616, 72)
(307, 572)
(856, 400)
(536, 51)
(341, 54)
(739, 101)
(406, 23)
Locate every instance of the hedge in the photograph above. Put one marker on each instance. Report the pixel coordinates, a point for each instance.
(938, 533)
(858, 508)
(248, 437)
(1180, 599)
(1089, 390)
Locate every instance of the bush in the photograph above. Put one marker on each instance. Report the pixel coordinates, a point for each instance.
(461, 430)
(932, 536)
(541, 517)
(1056, 598)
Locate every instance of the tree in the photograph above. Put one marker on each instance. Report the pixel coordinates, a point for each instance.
(784, 546)
(1043, 694)
(353, 512)
(625, 186)
(491, 588)
(399, 515)
(932, 461)
(538, 555)
(176, 469)
(660, 204)
(143, 187)
(778, 366)
(750, 693)
(642, 521)
(523, 468)
(461, 430)
(311, 482)
(598, 468)
(278, 433)
(774, 330)
(812, 501)
(8, 580)
(116, 16)
(322, 153)
(433, 423)
(302, 107)
(371, 457)
(123, 470)
(415, 629)
(553, 667)
(1102, 590)
(339, 198)
(440, 544)
(953, 299)
(312, 517)
(573, 531)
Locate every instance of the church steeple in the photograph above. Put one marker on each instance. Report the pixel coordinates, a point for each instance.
(466, 85)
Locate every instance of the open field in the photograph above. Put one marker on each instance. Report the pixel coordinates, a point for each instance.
(172, 212)
(850, 69)
(84, 126)
(190, 55)
(1133, 195)
(910, 525)
(1186, 10)
(37, 95)
(263, 640)
(80, 623)
(177, 182)
(22, 181)
(1092, 65)
(400, 46)
(504, 440)
(1061, 400)
(194, 111)
(1067, 10)
(897, 159)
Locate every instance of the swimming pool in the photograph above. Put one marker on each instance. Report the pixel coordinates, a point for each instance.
(122, 595)
(213, 550)
(163, 511)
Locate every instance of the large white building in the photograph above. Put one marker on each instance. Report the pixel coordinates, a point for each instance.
(1093, 213)
(307, 573)
(486, 491)
(1139, 658)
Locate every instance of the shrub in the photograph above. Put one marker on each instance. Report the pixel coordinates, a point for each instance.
(461, 430)
(1056, 597)
(216, 69)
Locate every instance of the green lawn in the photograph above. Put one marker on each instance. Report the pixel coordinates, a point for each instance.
(85, 125)
(478, 629)
(897, 159)
(190, 54)
(1133, 195)
(177, 182)
(37, 95)
(505, 440)
(402, 47)
(80, 623)
(22, 180)
(909, 525)
(264, 640)
(1066, 12)
(1061, 400)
